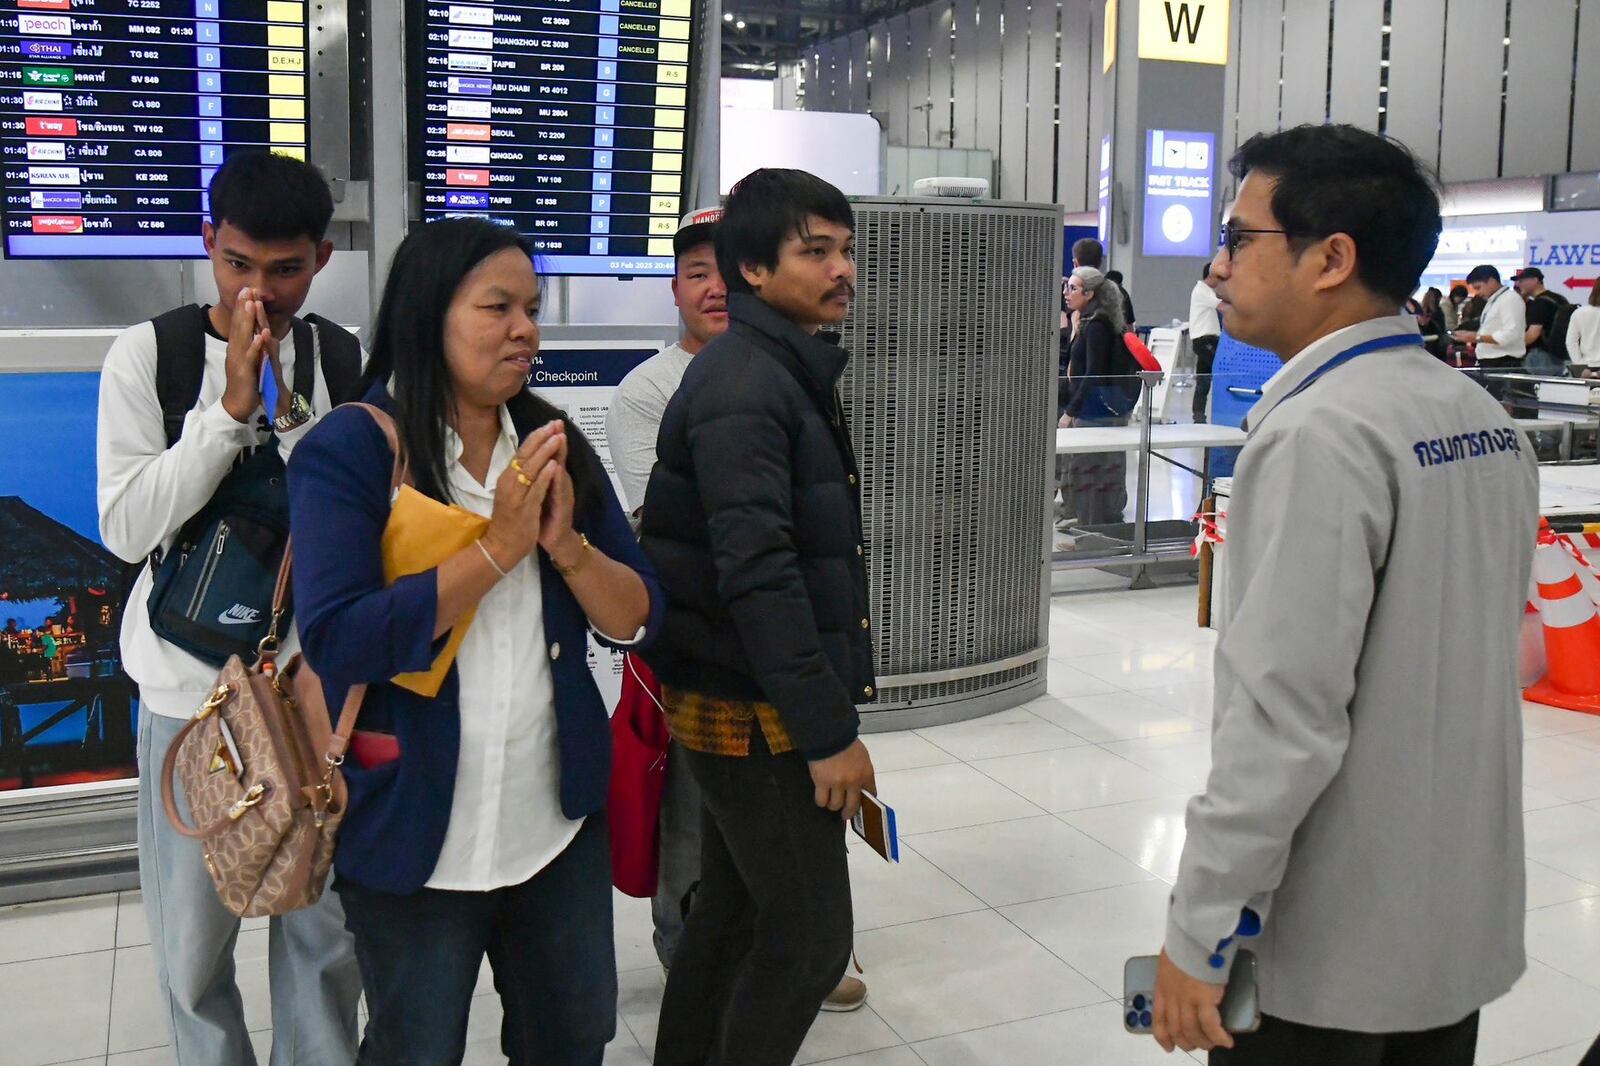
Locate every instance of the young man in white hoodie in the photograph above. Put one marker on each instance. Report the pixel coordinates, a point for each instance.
(266, 241)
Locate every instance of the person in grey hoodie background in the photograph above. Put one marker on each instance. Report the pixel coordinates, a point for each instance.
(1361, 828)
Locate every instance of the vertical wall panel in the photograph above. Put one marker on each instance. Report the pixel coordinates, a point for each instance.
(919, 126)
(1539, 90)
(1080, 66)
(1042, 53)
(1014, 83)
(1305, 62)
(1260, 61)
(965, 75)
(818, 88)
(941, 75)
(1357, 53)
(1473, 54)
(857, 102)
(987, 130)
(877, 67)
(819, 94)
(1586, 127)
(1230, 90)
(1418, 64)
(898, 62)
(839, 79)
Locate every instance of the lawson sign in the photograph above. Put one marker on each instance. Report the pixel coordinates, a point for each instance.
(1565, 245)
(1179, 169)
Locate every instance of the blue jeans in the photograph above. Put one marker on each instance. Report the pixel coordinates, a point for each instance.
(549, 941)
(311, 963)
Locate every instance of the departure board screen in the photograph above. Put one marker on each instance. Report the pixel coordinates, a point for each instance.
(114, 114)
(564, 119)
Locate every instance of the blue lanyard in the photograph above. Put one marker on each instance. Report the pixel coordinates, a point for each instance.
(1378, 344)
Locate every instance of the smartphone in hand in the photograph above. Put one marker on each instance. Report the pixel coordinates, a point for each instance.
(1241, 1011)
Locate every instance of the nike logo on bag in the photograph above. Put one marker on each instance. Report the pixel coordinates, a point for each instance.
(239, 615)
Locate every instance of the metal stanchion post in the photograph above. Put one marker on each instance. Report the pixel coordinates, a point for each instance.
(1148, 379)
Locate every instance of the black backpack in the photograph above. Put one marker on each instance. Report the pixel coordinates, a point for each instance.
(1554, 340)
(212, 592)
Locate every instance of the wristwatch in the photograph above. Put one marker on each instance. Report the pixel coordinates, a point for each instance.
(299, 414)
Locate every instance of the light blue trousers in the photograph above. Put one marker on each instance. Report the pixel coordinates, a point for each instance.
(312, 969)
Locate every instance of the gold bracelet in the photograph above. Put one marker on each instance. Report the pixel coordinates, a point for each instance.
(568, 571)
(488, 556)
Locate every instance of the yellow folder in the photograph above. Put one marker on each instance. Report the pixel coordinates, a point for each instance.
(421, 534)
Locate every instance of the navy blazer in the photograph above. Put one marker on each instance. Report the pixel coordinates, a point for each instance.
(354, 628)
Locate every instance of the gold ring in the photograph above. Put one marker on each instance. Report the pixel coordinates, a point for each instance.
(516, 464)
(522, 479)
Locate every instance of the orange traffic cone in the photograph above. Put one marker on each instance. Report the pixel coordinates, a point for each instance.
(1571, 632)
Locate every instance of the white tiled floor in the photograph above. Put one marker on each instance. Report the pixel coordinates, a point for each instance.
(1038, 846)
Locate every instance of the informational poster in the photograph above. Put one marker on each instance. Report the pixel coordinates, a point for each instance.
(580, 378)
(1179, 181)
(67, 711)
(114, 115)
(565, 119)
(1565, 246)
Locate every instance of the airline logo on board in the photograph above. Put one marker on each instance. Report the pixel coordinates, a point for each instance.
(58, 223)
(45, 25)
(56, 201)
(32, 101)
(45, 5)
(469, 108)
(53, 176)
(47, 151)
(463, 15)
(47, 49)
(472, 61)
(471, 39)
(463, 153)
(38, 126)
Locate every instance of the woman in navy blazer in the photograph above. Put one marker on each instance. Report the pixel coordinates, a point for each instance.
(476, 821)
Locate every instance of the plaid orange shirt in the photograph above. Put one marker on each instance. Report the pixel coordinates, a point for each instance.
(722, 727)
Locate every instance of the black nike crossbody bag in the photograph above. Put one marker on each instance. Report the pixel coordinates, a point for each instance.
(213, 590)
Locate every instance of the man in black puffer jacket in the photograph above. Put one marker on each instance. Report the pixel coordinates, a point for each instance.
(753, 519)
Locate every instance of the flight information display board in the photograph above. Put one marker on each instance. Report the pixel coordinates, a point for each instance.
(114, 114)
(565, 119)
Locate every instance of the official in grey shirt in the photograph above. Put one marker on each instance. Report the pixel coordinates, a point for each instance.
(639, 402)
(1361, 828)
(632, 425)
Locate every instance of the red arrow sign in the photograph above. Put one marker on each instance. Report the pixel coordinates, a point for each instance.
(1581, 283)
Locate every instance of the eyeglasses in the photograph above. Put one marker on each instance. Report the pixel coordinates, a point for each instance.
(1229, 237)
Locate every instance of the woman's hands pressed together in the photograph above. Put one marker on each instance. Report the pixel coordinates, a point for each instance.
(526, 492)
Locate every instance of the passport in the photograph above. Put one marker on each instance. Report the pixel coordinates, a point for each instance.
(874, 823)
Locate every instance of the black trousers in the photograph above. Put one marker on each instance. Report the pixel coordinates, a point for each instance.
(1521, 399)
(770, 929)
(1205, 360)
(1592, 1056)
(1279, 1043)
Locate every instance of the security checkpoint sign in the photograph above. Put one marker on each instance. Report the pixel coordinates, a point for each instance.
(1178, 188)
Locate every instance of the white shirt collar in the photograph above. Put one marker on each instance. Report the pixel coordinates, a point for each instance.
(1315, 355)
(505, 447)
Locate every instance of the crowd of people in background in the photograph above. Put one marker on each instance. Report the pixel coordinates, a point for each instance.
(39, 653)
